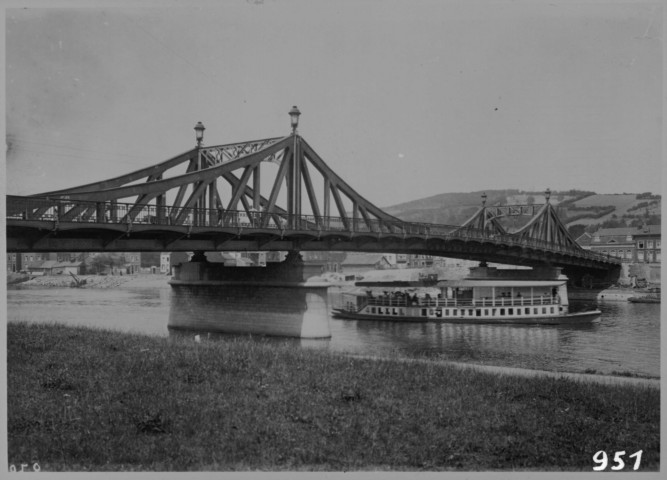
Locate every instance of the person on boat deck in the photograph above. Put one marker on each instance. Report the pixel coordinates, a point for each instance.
(518, 295)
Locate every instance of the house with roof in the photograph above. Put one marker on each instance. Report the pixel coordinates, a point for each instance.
(41, 267)
(66, 268)
(630, 244)
(647, 243)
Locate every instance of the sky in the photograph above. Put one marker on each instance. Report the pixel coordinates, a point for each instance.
(403, 99)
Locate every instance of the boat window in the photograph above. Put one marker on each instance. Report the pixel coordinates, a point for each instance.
(493, 312)
(552, 309)
(535, 311)
(510, 311)
(486, 312)
(478, 312)
(447, 312)
(454, 312)
(431, 312)
(502, 311)
(424, 312)
(527, 311)
(438, 312)
(544, 309)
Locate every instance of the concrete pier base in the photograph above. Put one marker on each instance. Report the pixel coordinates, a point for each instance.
(248, 300)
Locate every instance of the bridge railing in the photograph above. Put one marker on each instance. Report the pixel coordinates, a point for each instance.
(406, 301)
(355, 302)
(64, 210)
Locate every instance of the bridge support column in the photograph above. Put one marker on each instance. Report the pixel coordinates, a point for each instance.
(271, 300)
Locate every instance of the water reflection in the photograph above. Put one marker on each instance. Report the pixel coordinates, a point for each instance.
(268, 310)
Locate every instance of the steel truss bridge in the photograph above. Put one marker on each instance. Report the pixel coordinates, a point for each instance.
(270, 194)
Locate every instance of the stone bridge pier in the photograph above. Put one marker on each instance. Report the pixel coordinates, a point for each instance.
(272, 300)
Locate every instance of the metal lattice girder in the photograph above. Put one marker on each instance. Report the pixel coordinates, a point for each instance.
(513, 210)
(206, 165)
(148, 172)
(225, 153)
(547, 227)
(484, 220)
(162, 186)
(213, 155)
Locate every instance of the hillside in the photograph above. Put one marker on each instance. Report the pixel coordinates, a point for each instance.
(586, 210)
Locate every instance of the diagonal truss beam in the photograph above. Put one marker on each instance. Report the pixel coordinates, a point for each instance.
(484, 220)
(161, 186)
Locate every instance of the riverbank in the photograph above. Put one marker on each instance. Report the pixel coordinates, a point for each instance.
(88, 399)
(97, 281)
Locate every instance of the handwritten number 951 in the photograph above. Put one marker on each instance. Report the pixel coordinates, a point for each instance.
(602, 460)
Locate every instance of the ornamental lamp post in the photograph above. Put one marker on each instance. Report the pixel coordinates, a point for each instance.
(294, 117)
(199, 133)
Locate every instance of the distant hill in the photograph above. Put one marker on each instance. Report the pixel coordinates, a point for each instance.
(587, 210)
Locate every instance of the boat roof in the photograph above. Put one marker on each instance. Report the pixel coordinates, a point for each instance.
(500, 283)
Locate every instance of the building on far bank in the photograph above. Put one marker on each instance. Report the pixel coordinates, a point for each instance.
(647, 242)
(13, 262)
(165, 262)
(410, 260)
(355, 263)
(630, 244)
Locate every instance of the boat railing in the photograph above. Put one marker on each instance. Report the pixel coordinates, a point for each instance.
(400, 301)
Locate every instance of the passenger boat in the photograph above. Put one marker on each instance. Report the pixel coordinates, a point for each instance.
(488, 295)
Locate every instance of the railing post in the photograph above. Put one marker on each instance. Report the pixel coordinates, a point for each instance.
(114, 211)
(99, 211)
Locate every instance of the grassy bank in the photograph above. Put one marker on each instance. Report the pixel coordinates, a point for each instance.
(98, 400)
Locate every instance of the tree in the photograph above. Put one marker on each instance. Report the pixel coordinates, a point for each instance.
(100, 262)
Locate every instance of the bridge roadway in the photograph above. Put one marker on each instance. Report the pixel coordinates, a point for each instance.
(35, 225)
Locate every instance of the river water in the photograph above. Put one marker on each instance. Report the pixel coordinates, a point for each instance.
(627, 340)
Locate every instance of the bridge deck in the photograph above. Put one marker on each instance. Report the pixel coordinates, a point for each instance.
(40, 224)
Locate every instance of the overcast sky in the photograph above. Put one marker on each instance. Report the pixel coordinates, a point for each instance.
(403, 99)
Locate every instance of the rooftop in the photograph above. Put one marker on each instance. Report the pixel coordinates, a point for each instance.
(625, 231)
